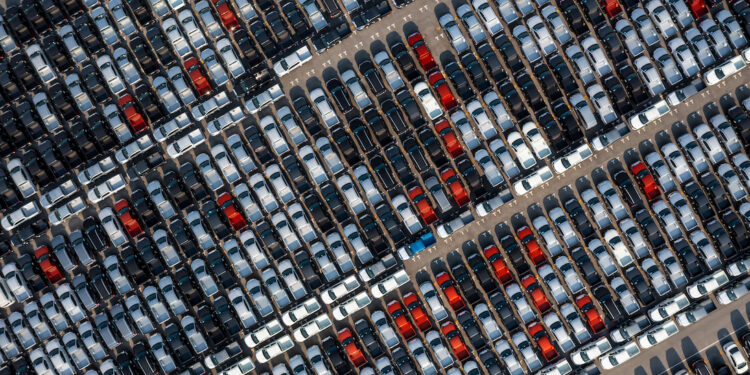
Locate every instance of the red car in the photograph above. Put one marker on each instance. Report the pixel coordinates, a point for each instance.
(417, 312)
(129, 222)
(48, 264)
(532, 246)
(698, 8)
(498, 264)
(594, 319)
(423, 53)
(443, 128)
(226, 14)
(437, 80)
(454, 184)
(454, 339)
(446, 284)
(200, 82)
(612, 7)
(537, 294)
(350, 345)
(230, 210)
(645, 179)
(542, 339)
(423, 205)
(402, 322)
(134, 116)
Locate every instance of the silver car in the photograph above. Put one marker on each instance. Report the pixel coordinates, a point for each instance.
(661, 17)
(677, 162)
(392, 76)
(214, 67)
(528, 47)
(553, 283)
(291, 280)
(21, 330)
(667, 66)
(582, 108)
(242, 307)
(697, 41)
(443, 356)
(74, 48)
(471, 23)
(69, 303)
(556, 24)
(687, 218)
(657, 278)
(240, 264)
(209, 173)
(197, 342)
(489, 167)
(205, 280)
(324, 262)
(340, 253)
(673, 268)
(258, 298)
(193, 31)
(630, 38)
(693, 152)
(271, 281)
(627, 300)
(206, 15)
(602, 103)
(158, 308)
(177, 78)
(488, 16)
(455, 35)
(279, 183)
(229, 55)
(139, 316)
(324, 108)
(645, 27)
(353, 199)
(716, 36)
(35, 320)
(541, 34)
(596, 56)
(680, 12)
(285, 231)
(113, 79)
(581, 65)
(731, 28)
(108, 33)
(685, 58)
(175, 36)
(159, 351)
(710, 143)
(649, 75)
(384, 329)
(501, 152)
(406, 214)
(726, 133)
(83, 101)
(199, 230)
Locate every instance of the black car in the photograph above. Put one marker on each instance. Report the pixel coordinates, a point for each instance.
(415, 154)
(176, 190)
(340, 95)
(147, 253)
(642, 290)
(258, 144)
(471, 176)
(160, 44)
(308, 117)
(471, 328)
(17, 25)
(133, 265)
(7, 82)
(319, 212)
(430, 142)
(93, 234)
(581, 222)
(247, 47)
(296, 174)
(55, 51)
(405, 61)
(83, 140)
(369, 340)
(334, 201)
(509, 53)
(260, 33)
(225, 317)
(63, 102)
(628, 190)
(143, 358)
(394, 115)
(562, 72)
(491, 62)
(391, 224)
(698, 200)
(279, 28)
(140, 10)
(592, 11)
(90, 39)
(585, 267)
(100, 285)
(612, 44)
(617, 94)
(378, 126)
(150, 104)
(460, 83)
(463, 279)
(217, 263)
(649, 227)
(739, 233)
(631, 80)
(174, 339)
(22, 69)
(403, 362)
(400, 166)
(124, 362)
(479, 267)
(334, 354)
(715, 190)
(94, 83)
(345, 145)
(296, 20)
(373, 234)
(529, 89)
(552, 129)
(362, 133)
(367, 69)
(608, 303)
(183, 281)
(690, 262)
(144, 207)
(269, 239)
(547, 81)
(721, 239)
(515, 254)
(308, 269)
(504, 311)
(471, 65)
(383, 171)
(193, 180)
(490, 362)
(183, 237)
(513, 99)
(51, 160)
(407, 102)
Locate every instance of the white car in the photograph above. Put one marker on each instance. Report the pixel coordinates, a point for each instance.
(645, 26)
(673, 268)
(489, 324)
(710, 143)
(83, 101)
(555, 325)
(726, 133)
(648, 115)
(732, 182)
(108, 33)
(736, 358)
(581, 65)
(353, 199)
(527, 352)
(519, 301)
(513, 365)
(352, 305)
(541, 34)
(669, 307)
(572, 280)
(596, 56)
(728, 68)
(522, 151)
(661, 171)
(603, 258)
(619, 355)
(433, 301)
(707, 284)
(627, 299)
(263, 333)
(658, 281)
(533, 180)
(695, 314)
(173, 32)
(291, 280)
(603, 105)
(352, 82)
(693, 152)
(657, 334)
(739, 268)
(467, 132)
(535, 138)
(544, 229)
(112, 226)
(214, 68)
(292, 61)
(18, 216)
(662, 18)
(406, 214)
(573, 158)
(481, 119)
(732, 294)
(229, 55)
(385, 330)
(449, 24)
(683, 55)
(556, 24)
(649, 75)
(591, 351)
(324, 108)
(428, 101)
(601, 218)
(584, 111)
(612, 199)
(502, 118)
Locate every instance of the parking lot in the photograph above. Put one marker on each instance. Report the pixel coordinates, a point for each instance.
(363, 186)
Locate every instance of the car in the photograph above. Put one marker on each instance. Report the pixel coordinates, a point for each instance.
(731, 294)
(48, 264)
(593, 318)
(197, 77)
(455, 35)
(540, 300)
(710, 143)
(429, 104)
(657, 334)
(598, 212)
(351, 347)
(542, 339)
(707, 284)
(450, 332)
(649, 75)
(619, 355)
(627, 300)
(590, 352)
(416, 41)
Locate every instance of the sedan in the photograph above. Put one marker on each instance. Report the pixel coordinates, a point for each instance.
(649, 75)
(522, 151)
(454, 33)
(428, 101)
